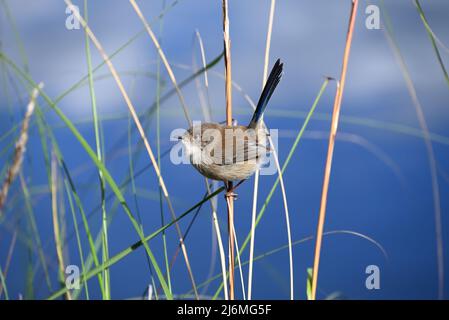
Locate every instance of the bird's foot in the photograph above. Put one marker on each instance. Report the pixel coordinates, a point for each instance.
(231, 194)
(230, 190)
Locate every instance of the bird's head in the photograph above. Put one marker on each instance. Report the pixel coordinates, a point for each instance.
(191, 139)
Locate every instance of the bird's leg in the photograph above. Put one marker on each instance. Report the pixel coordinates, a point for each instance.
(230, 192)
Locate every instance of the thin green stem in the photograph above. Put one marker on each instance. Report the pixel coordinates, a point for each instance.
(78, 238)
(105, 244)
(158, 141)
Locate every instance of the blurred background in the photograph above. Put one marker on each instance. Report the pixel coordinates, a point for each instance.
(381, 184)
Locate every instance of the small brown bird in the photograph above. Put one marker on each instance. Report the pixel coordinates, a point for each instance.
(231, 153)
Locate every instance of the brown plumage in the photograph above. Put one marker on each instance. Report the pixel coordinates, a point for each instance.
(230, 153)
(225, 153)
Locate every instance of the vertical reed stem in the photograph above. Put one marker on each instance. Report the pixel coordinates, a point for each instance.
(330, 150)
(228, 90)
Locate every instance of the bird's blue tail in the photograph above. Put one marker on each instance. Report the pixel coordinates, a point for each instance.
(272, 82)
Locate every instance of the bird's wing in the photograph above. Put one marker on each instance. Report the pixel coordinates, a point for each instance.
(243, 152)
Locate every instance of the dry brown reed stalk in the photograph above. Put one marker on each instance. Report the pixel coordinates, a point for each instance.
(19, 150)
(138, 124)
(229, 120)
(330, 150)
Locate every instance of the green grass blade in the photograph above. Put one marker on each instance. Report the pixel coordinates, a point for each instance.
(3, 282)
(78, 238)
(430, 152)
(432, 40)
(309, 284)
(108, 178)
(98, 144)
(133, 247)
(44, 130)
(34, 230)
